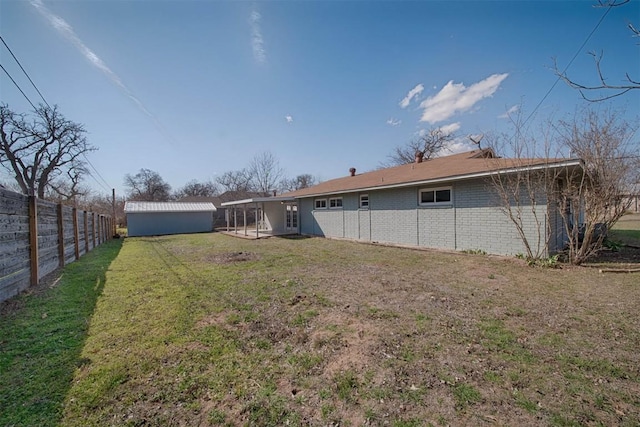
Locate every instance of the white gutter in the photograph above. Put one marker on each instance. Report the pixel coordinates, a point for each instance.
(258, 200)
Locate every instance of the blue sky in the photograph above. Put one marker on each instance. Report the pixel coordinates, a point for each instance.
(192, 89)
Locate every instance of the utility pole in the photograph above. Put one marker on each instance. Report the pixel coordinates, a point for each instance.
(113, 207)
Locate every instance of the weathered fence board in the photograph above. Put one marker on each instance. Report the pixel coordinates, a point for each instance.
(37, 237)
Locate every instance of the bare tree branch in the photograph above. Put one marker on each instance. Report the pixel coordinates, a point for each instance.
(603, 85)
(265, 173)
(39, 151)
(147, 185)
(620, 89)
(428, 145)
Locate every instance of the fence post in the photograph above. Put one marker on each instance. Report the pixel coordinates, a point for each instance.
(93, 229)
(60, 236)
(33, 239)
(86, 232)
(76, 233)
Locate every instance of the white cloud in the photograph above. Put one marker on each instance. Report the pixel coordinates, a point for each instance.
(450, 128)
(411, 95)
(394, 122)
(509, 112)
(456, 97)
(289, 119)
(458, 145)
(257, 42)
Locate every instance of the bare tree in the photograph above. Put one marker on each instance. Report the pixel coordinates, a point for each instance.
(587, 198)
(198, 189)
(44, 153)
(301, 181)
(68, 191)
(265, 173)
(103, 203)
(522, 193)
(612, 90)
(147, 185)
(428, 145)
(235, 181)
(592, 201)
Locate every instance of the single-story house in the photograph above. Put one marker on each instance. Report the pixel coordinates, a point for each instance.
(159, 218)
(444, 202)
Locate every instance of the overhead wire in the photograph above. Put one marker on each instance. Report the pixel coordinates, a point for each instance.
(569, 64)
(107, 187)
(18, 86)
(25, 72)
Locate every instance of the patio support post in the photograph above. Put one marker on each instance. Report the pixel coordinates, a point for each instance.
(235, 221)
(257, 223)
(244, 213)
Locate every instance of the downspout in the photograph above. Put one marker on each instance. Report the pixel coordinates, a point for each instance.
(455, 220)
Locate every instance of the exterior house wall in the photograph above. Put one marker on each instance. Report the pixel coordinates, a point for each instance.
(393, 216)
(436, 227)
(351, 213)
(481, 223)
(364, 224)
(160, 223)
(306, 221)
(474, 220)
(330, 222)
(274, 217)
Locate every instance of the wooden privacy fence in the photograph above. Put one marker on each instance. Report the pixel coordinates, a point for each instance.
(37, 236)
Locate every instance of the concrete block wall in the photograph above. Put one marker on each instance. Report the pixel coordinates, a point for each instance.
(474, 221)
(393, 216)
(437, 227)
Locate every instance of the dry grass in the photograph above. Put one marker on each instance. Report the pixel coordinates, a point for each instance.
(211, 330)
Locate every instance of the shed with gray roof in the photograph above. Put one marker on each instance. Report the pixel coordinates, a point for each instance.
(160, 218)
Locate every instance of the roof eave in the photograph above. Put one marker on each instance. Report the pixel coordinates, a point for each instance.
(257, 200)
(567, 163)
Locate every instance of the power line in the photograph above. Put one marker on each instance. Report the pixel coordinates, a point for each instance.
(569, 64)
(47, 104)
(96, 171)
(25, 72)
(19, 88)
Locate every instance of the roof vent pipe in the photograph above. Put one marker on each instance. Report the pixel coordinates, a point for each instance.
(352, 171)
(419, 156)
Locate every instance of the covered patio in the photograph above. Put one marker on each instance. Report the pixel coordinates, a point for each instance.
(274, 216)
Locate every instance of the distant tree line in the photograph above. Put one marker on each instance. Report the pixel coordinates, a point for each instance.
(263, 175)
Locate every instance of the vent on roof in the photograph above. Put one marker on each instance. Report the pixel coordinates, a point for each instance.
(419, 156)
(352, 171)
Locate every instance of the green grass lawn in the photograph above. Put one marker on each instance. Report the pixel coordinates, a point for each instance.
(627, 230)
(207, 329)
(42, 334)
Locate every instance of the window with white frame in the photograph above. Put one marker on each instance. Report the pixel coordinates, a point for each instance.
(321, 203)
(364, 201)
(435, 196)
(335, 203)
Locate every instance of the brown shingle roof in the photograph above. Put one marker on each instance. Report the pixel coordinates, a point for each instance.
(448, 168)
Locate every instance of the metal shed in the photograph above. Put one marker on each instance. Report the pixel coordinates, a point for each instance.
(159, 218)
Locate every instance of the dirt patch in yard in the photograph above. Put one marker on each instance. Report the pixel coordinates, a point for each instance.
(332, 333)
(231, 257)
